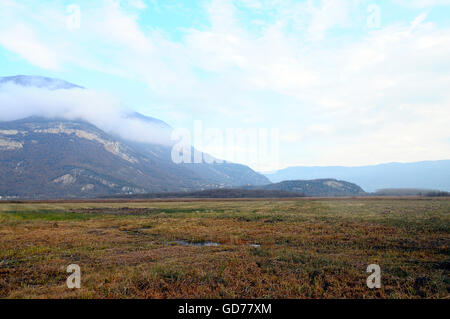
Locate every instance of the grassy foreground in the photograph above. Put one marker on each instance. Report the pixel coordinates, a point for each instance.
(266, 249)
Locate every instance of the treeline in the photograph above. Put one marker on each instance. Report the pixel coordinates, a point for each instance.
(216, 193)
(411, 192)
(437, 194)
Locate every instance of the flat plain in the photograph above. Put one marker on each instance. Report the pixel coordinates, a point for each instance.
(296, 248)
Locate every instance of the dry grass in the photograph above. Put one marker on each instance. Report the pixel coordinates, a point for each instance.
(309, 249)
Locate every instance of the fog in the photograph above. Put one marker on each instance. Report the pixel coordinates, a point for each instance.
(98, 108)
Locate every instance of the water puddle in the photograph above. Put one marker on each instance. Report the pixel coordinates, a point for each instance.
(136, 231)
(199, 244)
(206, 244)
(132, 232)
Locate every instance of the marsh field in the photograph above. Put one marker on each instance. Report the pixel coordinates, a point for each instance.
(296, 248)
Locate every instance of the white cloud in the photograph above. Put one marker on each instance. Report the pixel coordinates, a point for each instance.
(99, 108)
(22, 40)
(254, 4)
(138, 4)
(423, 3)
(329, 14)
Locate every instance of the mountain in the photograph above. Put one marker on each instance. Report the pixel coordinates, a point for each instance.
(428, 174)
(318, 187)
(38, 82)
(59, 158)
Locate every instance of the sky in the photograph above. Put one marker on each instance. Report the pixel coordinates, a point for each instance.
(343, 82)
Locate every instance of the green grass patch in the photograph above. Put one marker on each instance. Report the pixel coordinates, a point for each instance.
(46, 215)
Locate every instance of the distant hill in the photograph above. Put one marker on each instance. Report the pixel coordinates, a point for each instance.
(421, 175)
(318, 187)
(46, 158)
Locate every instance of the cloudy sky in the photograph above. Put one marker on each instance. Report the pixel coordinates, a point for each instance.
(346, 82)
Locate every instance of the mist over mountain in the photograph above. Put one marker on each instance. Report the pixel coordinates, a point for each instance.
(428, 174)
(25, 96)
(57, 142)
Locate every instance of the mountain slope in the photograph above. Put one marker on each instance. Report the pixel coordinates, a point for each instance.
(59, 158)
(45, 158)
(428, 174)
(318, 187)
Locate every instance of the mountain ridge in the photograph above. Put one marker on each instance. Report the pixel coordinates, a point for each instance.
(38, 82)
